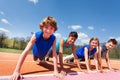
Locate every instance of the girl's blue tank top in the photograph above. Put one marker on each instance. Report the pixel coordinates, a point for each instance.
(80, 52)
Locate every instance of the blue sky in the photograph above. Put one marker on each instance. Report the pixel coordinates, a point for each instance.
(99, 18)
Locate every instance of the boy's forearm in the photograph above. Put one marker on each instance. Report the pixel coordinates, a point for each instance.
(109, 65)
(61, 60)
(108, 60)
(55, 65)
(78, 64)
(19, 63)
(23, 56)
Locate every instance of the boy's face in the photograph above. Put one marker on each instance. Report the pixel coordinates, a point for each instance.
(94, 43)
(48, 30)
(71, 40)
(110, 45)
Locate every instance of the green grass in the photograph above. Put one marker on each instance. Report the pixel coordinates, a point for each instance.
(17, 51)
(10, 50)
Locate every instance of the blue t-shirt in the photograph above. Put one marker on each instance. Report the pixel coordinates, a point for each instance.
(42, 46)
(64, 46)
(104, 50)
(80, 52)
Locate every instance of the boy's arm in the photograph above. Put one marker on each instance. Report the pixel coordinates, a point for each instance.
(86, 59)
(108, 60)
(55, 60)
(62, 72)
(61, 53)
(16, 73)
(75, 57)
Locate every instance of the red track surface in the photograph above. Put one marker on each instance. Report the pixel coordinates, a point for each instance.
(8, 63)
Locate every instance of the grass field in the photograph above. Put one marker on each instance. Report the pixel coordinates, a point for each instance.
(11, 50)
(16, 51)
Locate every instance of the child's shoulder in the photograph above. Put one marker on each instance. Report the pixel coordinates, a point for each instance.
(38, 32)
(53, 36)
(63, 39)
(86, 46)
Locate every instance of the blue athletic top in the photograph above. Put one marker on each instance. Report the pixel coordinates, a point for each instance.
(42, 46)
(80, 51)
(64, 46)
(104, 50)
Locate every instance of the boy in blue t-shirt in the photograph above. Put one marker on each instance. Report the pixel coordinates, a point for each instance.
(104, 52)
(41, 42)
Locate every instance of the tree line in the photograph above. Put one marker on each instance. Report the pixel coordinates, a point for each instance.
(13, 43)
(21, 43)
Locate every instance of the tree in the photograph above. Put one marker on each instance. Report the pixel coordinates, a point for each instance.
(115, 53)
(3, 36)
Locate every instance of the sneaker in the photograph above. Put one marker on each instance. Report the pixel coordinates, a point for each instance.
(47, 59)
(71, 60)
(42, 59)
(35, 58)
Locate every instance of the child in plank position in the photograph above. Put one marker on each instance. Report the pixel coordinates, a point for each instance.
(104, 52)
(64, 44)
(41, 42)
(86, 53)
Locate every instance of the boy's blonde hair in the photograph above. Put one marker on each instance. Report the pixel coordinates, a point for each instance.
(49, 20)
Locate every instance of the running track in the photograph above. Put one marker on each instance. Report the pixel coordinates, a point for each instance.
(8, 62)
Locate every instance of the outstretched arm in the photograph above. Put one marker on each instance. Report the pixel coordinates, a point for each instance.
(55, 60)
(86, 59)
(96, 60)
(75, 57)
(108, 60)
(61, 53)
(99, 56)
(16, 73)
(62, 72)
